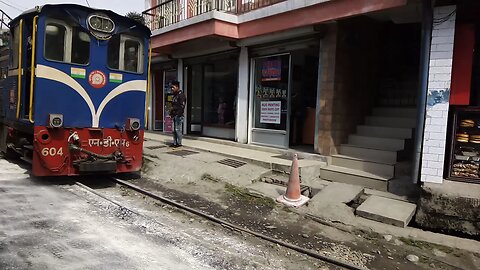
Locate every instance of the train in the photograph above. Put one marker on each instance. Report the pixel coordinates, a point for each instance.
(74, 87)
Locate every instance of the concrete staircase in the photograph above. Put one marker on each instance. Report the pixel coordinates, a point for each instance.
(369, 158)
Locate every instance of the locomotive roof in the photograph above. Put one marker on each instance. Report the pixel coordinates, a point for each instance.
(114, 16)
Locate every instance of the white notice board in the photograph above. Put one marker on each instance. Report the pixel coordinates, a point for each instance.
(270, 112)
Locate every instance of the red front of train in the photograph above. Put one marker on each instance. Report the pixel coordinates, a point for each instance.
(60, 151)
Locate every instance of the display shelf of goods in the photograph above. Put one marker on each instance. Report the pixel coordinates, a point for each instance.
(464, 164)
(467, 123)
(465, 169)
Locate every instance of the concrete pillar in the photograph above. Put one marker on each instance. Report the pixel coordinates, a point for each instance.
(326, 135)
(440, 74)
(151, 101)
(241, 121)
(316, 146)
(180, 71)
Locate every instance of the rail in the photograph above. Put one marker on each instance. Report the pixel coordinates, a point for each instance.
(169, 12)
(20, 70)
(126, 184)
(32, 69)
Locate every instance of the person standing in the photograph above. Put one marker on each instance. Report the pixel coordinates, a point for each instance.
(178, 107)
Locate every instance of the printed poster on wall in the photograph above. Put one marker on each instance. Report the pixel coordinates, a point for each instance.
(270, 112)
(272, 70)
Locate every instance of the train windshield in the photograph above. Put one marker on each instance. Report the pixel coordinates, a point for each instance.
(66, 43)
(125, 53)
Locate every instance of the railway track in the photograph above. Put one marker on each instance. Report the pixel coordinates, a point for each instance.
(222, 222)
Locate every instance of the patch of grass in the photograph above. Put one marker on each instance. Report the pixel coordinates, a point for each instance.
(424, 260)
(243, 194)
(429, 246)
(209, 177)
(369, 235)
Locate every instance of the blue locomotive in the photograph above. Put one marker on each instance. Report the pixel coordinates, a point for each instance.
(73, 90)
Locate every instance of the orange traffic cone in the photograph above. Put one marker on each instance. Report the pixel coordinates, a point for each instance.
(292, 196)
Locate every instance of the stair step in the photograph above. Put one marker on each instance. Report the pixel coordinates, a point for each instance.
(354, 177)
(407, 112)
(377, 143)
(370, 154)
(386, 121)
(373, 167)
(385, 132)
(387, 210)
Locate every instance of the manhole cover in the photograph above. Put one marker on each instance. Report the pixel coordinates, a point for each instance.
(182, 153)
(156, 147)
(232, 162)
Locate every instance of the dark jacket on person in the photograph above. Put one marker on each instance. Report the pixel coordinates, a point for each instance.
(178, 104)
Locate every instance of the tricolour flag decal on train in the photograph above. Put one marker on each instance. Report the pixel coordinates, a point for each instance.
(116, 77)
(77, 73)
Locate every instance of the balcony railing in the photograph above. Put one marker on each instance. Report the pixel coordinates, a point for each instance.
(170, 12)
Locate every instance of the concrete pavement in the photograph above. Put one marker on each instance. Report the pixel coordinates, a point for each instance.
(264, 173)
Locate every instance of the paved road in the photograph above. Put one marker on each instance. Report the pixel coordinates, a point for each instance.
(51, 226)
(46, 227)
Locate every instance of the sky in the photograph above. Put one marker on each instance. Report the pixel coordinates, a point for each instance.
(14, 7)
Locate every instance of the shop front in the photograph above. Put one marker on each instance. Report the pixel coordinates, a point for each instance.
(284, 95)
(163, 75)
(211, 87)
(463, 151)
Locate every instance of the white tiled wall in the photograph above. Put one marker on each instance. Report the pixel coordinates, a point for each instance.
(438, 94)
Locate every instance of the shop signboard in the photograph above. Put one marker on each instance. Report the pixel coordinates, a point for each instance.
(168, 124)
(272, 70)
(170, 76)
(270, 112)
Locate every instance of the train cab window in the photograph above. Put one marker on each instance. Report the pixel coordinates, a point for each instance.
(65, 43)
(3, 73)
(15, 43)
(125, 53)
(80, 47)
(55, 39)
(132, 48)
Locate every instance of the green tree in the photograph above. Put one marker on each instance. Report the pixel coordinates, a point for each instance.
(136, 16)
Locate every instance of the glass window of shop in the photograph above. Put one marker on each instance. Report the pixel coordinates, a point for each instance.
(219, 94)
(212, 83)
(271, 82)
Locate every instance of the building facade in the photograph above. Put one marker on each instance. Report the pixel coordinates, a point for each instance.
(387, 89)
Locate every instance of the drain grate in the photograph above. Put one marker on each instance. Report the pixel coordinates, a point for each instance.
(156, 147)
(232, 163)
(182, 153)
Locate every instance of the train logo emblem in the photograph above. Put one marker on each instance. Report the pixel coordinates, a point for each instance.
(97, 79)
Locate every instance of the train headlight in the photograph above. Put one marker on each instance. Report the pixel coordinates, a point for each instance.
(55, 120)
(95, 22)
(101, 23)
(133, 124)
(107, 26)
